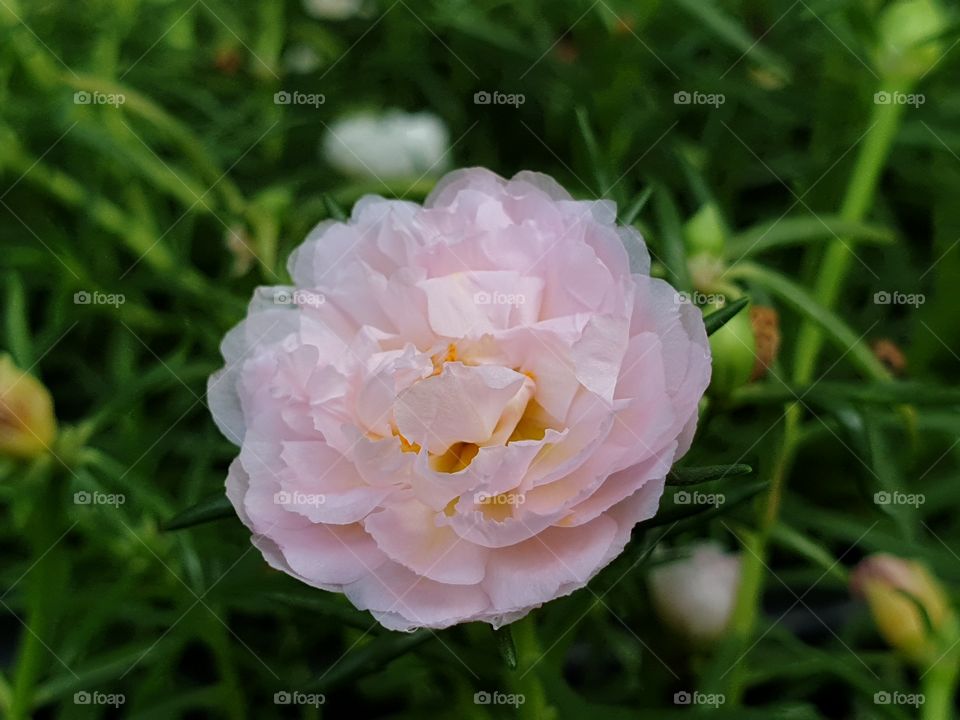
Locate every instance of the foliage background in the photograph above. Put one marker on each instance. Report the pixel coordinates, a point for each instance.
(138, 199)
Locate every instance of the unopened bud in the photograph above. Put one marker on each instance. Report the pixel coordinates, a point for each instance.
(705, 232)
(734, 355)
(27, 422)
(695, 596)
(909, 44)
(238, 242)
(908, 605)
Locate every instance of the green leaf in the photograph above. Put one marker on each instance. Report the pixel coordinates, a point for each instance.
(270, 40)
(593, 151)
(192, 146)
(637, 207)
(99, 672)
(803, 303)
(674, 255)
(506, 646)
(323, 603)
(716, 320)
(727, 29)
(800, 230)
(18, 327)
(333, 207)
(369, 658)
(886, 472)
(475, 23)
(697, 475)
(697, 514)
(213, 508)
(825, 391)
(806, 661)
(791, 539)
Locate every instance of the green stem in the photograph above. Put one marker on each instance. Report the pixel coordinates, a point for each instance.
(728, 663)
(526, 678)
(939, 689)
(219, 643)
(42, 583)
(884, 123)
(5, 697)
(872, 157)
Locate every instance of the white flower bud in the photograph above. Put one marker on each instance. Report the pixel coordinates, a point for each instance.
(695, 596)
(394, 145)
(332, 9)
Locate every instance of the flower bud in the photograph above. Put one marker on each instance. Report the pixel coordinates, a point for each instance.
(695, 596)
(301, 59)
(238, 242)
(332, 9)
(393, 145)
(705, 232)
(27, 423)
(706, 272)
(908, 605)
(734, 354)
(908, 45)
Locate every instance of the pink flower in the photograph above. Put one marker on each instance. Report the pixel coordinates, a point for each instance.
(459, 411)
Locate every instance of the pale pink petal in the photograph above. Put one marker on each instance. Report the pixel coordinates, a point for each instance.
(461, 404)
(407, 532)
(403, 600)
(551, 564)
(324, 486)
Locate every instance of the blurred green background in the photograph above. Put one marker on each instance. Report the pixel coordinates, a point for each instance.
(143, 155)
